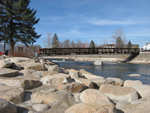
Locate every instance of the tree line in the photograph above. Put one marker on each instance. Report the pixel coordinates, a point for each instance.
(53, 42)
(17, 22)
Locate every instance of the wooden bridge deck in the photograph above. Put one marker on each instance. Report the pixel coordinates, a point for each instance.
(77, 51)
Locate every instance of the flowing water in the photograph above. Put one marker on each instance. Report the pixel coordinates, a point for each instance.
(119, 70)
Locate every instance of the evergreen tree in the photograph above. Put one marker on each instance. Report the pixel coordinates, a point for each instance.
(92, 44)
(20, 20)
(129, 44)
(55, 41)
(119, 42)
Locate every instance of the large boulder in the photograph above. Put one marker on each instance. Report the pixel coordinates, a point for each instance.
(13, 94)
(54, 69)
(5, 72)
(87, 82)
(56, 79)
(20, 82)
(73, 87)
(114, 81)
(98, 81)
(5, 63)
(138, 106)
(7, 107)
(98, 62)
(130, 83)
(36, 66)
(63, 98)
(93, 96)
(32, 73)
(20, 59)
(118, 93)
(143, 90)
(88, 108)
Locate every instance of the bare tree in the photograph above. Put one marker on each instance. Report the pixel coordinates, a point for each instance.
(48, 41)
(119, 37)
(72, 44)
(79, 44)
(66, 43)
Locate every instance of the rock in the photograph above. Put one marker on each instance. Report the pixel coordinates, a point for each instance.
(114, 81)
(88, 108)
(20, 59)
(36, 66)
(7, 107)
(32, 73)
(77, 97)
(134, 75)
(54, 80)
(99, 81)
(20, 82)
(118, 93)
(13, 94)
(92, 96)
(16, 66)
(138, 106)
(5, 63)
(87, 82)
(98, 62)
(5, 72)
(130, 83)
(56, 109)
(63, 98)
(73, 87)
(40, 107)
(143, 90)
(55, 69)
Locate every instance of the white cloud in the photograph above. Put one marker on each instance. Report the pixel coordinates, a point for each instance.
(111, 22)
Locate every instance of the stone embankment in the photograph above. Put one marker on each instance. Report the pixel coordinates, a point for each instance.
(40, 86)
(142, 58)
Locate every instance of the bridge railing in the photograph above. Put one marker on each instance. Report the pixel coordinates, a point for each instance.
(69, 51)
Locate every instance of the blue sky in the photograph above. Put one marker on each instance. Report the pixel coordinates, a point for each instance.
(93, 19)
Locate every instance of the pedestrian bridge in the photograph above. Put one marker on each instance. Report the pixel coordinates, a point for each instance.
(84, 51)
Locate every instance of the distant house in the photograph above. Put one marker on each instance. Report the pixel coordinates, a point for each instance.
(146, 47)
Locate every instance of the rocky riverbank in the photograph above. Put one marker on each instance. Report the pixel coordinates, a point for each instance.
(40, 86)
(142, 58)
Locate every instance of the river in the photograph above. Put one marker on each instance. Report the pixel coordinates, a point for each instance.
(119, 70)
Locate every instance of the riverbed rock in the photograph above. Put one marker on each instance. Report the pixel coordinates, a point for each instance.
(5, 63)
(16, 67)
(73, 87)
(13, 94)
(41, 107)
(56, 79)
(138, 106)
(118, 93)
(5, 72)
(98, 62)
(130, 83)
(88, 108)
(20, 82)
(37, 67)
(87, 82)
(7, 107)
(98, 81)
(134, 75)
(63, 98)
(54, 69)
(143, 90)
(20, 59)
(92, 96)
(114, 81)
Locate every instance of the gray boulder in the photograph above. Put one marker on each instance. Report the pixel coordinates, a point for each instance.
(7, 107)
(5, 72)
(98, 62)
